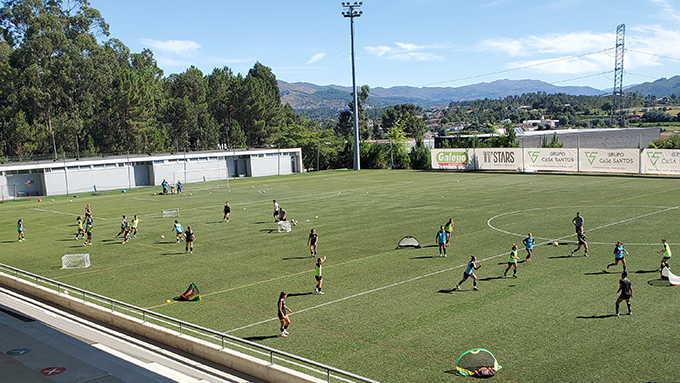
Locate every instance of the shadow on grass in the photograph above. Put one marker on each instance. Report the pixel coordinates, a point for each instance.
(597, 316)
(299, 294)
(446, 291)
(659, 283)
(427, 257)
(76, 246)
(264, 337)
(563, 257)
(177, 253)
(262, 223)
(452, 372)
(490, 278)
(65, 240)
(8, 241)
(289, 258)
(603, 272)
(269, 231)
(213, 222)
(646, 271)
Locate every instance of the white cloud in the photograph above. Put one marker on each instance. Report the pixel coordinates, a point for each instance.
(405, 51)
(175, 47)
(316, 58)
(668, 12)
(569, 43)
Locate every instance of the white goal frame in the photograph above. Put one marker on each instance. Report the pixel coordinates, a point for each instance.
(75, 261)
(169, 213)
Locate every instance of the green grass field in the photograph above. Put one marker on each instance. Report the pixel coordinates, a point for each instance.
(390, 314)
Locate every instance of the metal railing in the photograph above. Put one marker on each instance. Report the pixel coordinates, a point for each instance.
(269, 354)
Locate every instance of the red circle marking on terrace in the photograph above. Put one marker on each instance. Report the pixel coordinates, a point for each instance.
(51, 371)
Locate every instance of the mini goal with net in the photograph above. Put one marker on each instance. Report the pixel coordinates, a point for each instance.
(283, 227)
(673, 279)
(170, 213)
(75, 261)
(408, 241)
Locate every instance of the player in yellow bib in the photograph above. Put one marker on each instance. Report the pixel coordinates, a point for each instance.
(448, 229)
(81, 231)
(666, 254)
(512, 262)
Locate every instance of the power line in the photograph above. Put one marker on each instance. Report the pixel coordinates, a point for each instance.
(582, 77)
(653, 54)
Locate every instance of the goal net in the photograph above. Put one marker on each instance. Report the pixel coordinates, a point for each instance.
(284, 227)
(200, 175)
(75, 261)
(170, 213)
(408, 241)
(672, 278)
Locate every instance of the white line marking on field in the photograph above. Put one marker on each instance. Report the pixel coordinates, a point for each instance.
(445, 270)
(146, 199)
(72, 214)
(488, 222)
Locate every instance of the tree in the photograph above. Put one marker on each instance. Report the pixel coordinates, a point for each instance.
(413, 126)
(420, 156)
(397, 155)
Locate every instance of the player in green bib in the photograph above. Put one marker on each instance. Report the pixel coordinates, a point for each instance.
(81, 231)
(448, 228)
(318, 274)
(133, 225)
(512, 262)
(666, 254)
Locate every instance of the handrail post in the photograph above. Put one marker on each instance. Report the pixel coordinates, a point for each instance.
(329, 375)
(144, 316)
(180, 328)
(271, 357)
(222, 341)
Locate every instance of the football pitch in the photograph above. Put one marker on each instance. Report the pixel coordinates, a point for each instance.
(392, 315)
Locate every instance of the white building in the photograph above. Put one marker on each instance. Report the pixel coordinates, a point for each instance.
(62, 177)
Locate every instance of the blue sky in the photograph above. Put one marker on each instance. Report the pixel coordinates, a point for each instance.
(407, 42)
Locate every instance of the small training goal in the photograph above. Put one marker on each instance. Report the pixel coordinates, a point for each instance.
(408, 241)
(170, 213)
(75, 261)
(673, 279)
(283, 227)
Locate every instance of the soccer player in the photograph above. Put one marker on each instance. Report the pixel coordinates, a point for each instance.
(134, 225)
(529, 246)
(470, 272)
(81, 231)
(441, 241)
(282, 214)
(178, 231)
(179, 187)
(20, 229)
(448, 228)
(626, 291)
(312, 242)
(618, 256)
(89, 226)
(123, 225)
(189, 235)
(318, 274)
(578, 222)
(276, 211)
(283, 314)
(666, 254)
(512, 262)
(581, 242)
(165, 186)
(227, 211)
(88, 212)
(126, 236)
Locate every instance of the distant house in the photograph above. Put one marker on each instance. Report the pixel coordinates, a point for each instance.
(542, 122)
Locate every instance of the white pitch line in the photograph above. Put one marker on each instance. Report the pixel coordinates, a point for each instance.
(61, 212)
(438, 272)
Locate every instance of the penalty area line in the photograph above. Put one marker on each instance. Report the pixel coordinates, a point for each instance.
(71, 214)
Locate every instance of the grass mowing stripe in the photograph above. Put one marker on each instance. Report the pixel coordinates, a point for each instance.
(443, 271)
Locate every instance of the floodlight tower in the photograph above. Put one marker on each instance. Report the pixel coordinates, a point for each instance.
(351, 12)
(617, 99)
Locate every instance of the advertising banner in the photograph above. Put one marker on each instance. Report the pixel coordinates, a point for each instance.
(499, 158)
(609, 160)
(452, 159)
(550, 159)
(660, 161)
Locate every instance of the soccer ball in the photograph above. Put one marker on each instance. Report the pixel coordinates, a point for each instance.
(154, 193)
(167, 301)
(39, 199)
(162, 236)
(52, 199)
(555, 244)
(190, 194)
(70, 201)
(66, 292)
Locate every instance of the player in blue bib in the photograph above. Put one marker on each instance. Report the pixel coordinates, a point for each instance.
(20, 229)
(441, 241)
(618, 255)
(470, 272)
(529, 246)
(178, 231)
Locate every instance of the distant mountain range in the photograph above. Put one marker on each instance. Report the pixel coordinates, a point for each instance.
(305, 96)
